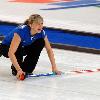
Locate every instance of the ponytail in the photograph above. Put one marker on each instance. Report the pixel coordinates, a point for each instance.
(26, 22)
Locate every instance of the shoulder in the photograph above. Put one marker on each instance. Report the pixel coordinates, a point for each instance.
(43, 33)
(22, 27)
(22, 30)
(19, 28)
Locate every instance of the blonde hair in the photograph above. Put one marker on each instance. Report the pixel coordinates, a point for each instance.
(33, 18)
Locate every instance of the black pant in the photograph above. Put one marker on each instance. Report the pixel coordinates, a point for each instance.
(30, 52)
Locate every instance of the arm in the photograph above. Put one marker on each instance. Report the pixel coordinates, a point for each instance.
(51, 56)
(13, 47)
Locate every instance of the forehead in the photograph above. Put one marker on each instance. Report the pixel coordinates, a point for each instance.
(38, 21)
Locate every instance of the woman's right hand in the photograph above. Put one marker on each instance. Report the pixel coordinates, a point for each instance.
(19, 74)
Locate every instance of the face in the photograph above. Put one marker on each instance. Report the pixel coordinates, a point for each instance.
(36, 27)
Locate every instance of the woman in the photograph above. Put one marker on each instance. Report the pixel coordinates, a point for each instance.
(27, 40)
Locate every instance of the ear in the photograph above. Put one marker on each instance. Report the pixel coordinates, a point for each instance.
(30, 25)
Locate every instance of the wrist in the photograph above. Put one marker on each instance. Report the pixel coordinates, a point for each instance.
(19, 69)
(54, 68)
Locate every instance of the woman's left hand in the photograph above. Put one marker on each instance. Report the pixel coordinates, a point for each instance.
(57, 72)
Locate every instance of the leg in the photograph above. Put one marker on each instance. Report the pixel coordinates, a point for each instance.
(18, 54)
(33, 52)
(4, 50)
(0, 49)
